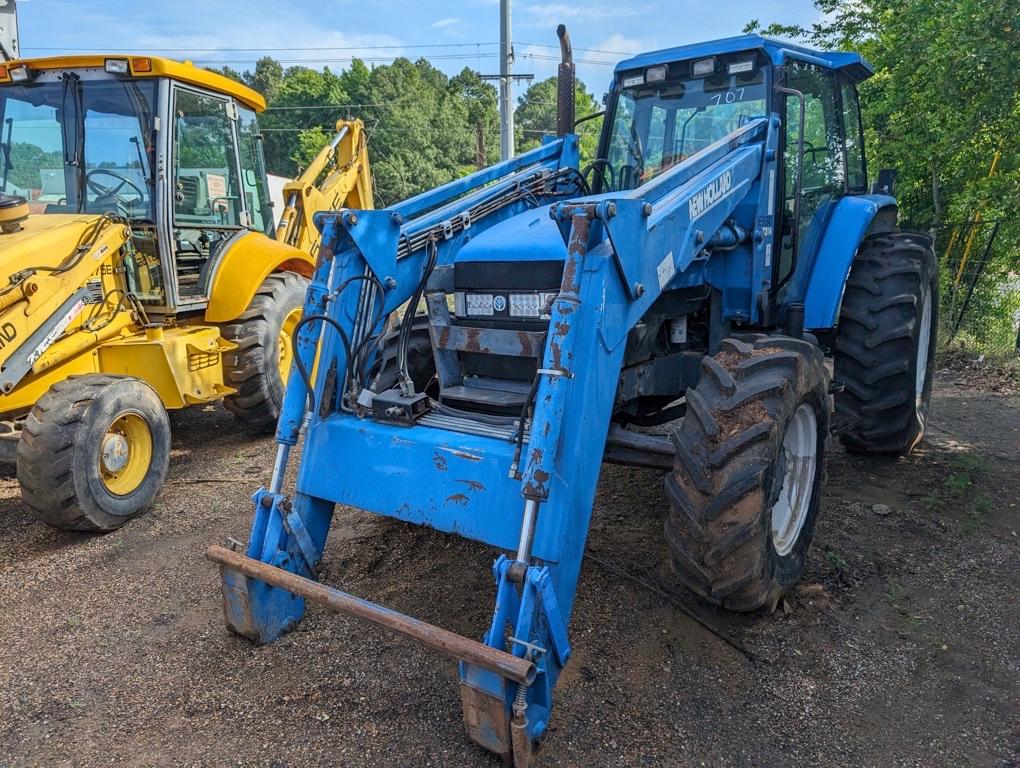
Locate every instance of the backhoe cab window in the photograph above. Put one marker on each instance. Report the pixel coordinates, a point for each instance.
(205, 177)
(659, 124)
(74, 145)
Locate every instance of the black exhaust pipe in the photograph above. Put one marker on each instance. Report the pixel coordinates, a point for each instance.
(565, 105)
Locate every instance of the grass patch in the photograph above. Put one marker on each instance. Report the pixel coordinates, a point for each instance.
(961, 490)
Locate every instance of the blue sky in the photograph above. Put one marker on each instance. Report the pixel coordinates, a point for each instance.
(453, 34)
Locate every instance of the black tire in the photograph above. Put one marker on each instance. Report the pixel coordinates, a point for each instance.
(421, 363)
(877, 349)
(253, 368)
(729, 470)
(60, 453)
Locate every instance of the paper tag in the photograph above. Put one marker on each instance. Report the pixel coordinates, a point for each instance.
(666, 270)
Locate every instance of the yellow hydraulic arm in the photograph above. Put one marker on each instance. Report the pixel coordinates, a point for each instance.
(339, 177)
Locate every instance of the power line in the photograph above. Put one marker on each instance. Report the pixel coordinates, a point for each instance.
(351, 59)
(290, 48)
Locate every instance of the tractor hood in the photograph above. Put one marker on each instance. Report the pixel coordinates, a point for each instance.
(44, 240)
(529, 236)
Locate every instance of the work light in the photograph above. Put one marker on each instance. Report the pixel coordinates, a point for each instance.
(117, 66)
(703, 67)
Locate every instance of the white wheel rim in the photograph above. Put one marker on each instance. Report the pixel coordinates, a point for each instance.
(800, 450)
(923, 342)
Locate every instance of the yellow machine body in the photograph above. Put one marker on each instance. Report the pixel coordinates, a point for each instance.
(46, 259)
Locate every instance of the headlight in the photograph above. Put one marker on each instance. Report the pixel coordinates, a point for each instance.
(478, 304)
(117, 66)
(531, 304)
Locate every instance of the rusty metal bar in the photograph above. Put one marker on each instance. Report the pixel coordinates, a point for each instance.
(503, 664)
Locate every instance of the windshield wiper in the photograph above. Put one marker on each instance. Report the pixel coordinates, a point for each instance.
(74, 154)
(6, 147)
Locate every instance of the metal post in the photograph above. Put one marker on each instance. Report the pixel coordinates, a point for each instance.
(527, 531)
(282, 454)
(506, 94)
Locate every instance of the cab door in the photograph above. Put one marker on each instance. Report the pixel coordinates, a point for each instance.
(804, 215)
(207, 205)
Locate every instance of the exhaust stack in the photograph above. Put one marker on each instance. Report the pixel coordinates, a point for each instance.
(567, 77)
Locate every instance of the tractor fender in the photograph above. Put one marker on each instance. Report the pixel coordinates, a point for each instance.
(244, 266)
(853, 219)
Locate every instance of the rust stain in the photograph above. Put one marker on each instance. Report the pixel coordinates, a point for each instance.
(439, 461)
(444, 336)
(458, 498)
(472, 485)
(473, 344)
(525, 339)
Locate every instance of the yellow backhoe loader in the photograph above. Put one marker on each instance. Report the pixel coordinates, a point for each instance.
(141, 270)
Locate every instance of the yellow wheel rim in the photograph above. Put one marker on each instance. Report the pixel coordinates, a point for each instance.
(125, 454)
(286, 347)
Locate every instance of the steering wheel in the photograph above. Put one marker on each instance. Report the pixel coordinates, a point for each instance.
(110, 191)
(603, 164)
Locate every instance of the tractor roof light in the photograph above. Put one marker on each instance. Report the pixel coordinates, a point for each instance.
(655, 74)
(20, 74)
(141, 66)
(703, 67)
(117, 66)
(5, 76)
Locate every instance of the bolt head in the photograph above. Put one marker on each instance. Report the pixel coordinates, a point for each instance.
(639, 289)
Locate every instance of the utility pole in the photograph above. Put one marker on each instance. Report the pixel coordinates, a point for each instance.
(9, 47)
(506, 92)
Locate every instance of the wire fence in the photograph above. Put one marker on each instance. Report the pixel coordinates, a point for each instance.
(980, 290)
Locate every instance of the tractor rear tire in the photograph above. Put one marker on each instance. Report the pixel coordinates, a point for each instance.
(885, 344)
(94, 452)
(747, 482)
(259, 367)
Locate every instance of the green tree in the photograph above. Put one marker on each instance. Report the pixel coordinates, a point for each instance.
(535, 117)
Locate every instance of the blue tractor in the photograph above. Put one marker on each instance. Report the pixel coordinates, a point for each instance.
(696, 274)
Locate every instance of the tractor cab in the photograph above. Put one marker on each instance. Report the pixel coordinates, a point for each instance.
(666, 106)
(167, 147)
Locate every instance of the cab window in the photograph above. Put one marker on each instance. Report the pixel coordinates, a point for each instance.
(856, 173)
(253, 173)
(205, 174)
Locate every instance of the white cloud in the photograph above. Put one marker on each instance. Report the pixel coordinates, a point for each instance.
(445, 23)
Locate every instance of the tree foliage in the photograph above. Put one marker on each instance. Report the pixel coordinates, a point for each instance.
(425, 128)
(535, 117)
(943, 101)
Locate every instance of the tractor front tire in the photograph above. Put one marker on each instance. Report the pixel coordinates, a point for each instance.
(259, 367)
(885, 344)
(747, 482)
(94, 452)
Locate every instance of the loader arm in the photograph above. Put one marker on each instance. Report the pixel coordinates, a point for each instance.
(620, 251)
(338, 177)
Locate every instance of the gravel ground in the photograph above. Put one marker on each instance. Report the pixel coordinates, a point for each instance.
(901, 647)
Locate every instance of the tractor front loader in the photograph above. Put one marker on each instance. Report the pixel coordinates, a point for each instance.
(701, 268)
(143, 270)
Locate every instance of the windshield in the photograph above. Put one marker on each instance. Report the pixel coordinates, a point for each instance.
(657, 125)
(74, 145)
